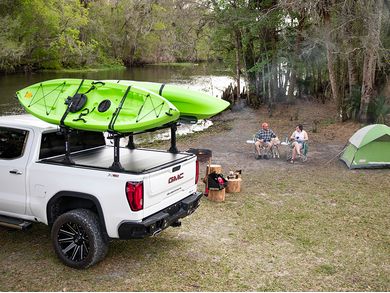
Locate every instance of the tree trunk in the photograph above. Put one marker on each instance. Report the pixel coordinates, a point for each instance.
(352, 72)
(291, 87)
(269, 83)
(286, 81)
(274, 76)
(351, 44)
(370, 59)
(281, 82)
(238, 64)
(264, 83)
(332, 73)
(342, 80)
(331, 60)
(297, 49)
(349, 12)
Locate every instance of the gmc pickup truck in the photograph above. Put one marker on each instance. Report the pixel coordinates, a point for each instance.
(70, 183)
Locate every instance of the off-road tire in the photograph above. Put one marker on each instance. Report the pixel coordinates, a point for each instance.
(78, 239)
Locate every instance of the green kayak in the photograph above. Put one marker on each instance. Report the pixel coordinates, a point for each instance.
(97, 106)
(190, 103)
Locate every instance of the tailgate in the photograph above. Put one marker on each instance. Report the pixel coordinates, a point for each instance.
(170, 183)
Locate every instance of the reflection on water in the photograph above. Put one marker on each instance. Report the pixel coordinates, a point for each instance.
(208, 77)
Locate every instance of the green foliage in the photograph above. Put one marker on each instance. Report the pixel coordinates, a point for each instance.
(10, 50)
(259, 66)
(353, 103)
(51, 34)
(305, 48)
(382, 109)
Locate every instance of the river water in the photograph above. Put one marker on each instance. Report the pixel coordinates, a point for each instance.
(208, 77)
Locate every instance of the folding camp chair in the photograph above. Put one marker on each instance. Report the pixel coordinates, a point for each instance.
(304, 151)
(272, 153)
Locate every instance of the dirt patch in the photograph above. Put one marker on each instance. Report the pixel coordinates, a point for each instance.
(227, 138)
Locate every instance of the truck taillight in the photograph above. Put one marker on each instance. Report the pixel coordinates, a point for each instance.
(135, 195)
(197, 172)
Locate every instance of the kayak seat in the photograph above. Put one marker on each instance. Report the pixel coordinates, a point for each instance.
(78, 102)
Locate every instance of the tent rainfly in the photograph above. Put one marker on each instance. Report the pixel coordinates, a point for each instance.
(369, 147)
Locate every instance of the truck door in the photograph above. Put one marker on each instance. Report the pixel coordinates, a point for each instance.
(13, 161)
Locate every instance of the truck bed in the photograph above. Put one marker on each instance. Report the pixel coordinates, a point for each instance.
(136, 161)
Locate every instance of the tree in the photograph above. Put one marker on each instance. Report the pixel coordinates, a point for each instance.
(371, 55)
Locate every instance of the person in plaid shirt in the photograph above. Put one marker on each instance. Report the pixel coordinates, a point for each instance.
(264, 139)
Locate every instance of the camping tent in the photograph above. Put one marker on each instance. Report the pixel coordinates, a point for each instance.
(369, 147)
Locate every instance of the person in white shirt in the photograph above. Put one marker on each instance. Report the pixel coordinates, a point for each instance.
(298, 137)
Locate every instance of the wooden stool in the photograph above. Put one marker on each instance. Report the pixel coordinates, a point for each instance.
(216, 195)
(234, 185)
(213, 168)
(210, 169)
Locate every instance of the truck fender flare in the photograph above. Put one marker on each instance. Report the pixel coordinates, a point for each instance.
(76, 195)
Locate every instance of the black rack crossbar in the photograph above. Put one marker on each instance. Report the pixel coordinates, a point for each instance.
(165, 126)
(118, 109)
(173, 127)
(116, 136)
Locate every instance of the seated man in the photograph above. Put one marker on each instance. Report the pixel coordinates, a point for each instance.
(263, 139)
(299, 137)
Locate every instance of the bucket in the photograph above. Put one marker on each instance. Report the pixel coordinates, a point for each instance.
(203, 155)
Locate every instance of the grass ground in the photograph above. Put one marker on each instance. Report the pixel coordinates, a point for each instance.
(313, 226)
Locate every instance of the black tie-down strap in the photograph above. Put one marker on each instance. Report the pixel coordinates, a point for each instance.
(161, 89)
(117, 110)
(83, 113)
(94, 84)
(69, 101)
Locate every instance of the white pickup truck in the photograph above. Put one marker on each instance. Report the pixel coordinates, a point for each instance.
(81, 195)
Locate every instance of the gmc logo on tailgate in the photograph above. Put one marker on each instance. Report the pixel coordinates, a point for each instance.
(175, 178)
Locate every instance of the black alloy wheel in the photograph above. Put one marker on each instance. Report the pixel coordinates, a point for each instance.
(74, 241)
(78, 239)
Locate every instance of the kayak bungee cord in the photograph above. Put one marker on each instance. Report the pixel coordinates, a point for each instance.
(148, 97)
(46, 95)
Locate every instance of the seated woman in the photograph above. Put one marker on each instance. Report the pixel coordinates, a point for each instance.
(299, 137)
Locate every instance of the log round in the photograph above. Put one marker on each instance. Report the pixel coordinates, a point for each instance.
(216, 195)
(234, 185)
(213, 168)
